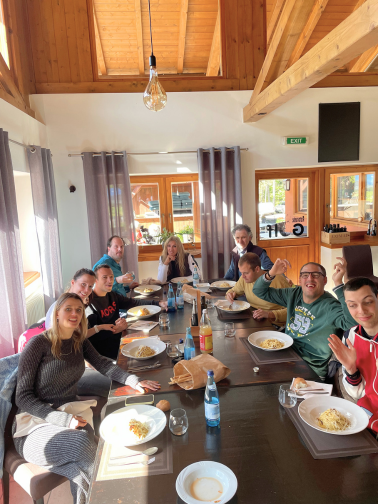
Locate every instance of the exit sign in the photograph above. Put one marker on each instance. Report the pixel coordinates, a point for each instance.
(295, 140)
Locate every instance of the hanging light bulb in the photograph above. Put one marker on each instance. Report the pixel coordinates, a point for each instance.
(154, 97)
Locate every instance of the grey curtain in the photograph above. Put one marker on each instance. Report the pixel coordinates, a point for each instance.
(12, 293)
(46, 221)
(220, 206)
(109, 205)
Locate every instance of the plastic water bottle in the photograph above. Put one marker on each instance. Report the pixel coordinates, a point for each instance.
(189, 348)
(195, 277)
(179, 297)
(171, 299)
(212, 409)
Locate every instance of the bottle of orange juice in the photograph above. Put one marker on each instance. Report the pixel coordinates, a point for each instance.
(205, 334)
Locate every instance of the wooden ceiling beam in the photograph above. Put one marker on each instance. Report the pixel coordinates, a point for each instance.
(304, 37)
(357, 33)
(214, 58)
(7, 78)
(10, 99)
(274, 17)
(99, 50)
(182, 35)
(362, 63)
(354, 60)
(139, 33)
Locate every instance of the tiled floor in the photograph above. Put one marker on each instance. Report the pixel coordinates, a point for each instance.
(60, 495)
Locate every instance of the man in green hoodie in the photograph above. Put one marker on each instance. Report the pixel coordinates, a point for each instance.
(312, 313)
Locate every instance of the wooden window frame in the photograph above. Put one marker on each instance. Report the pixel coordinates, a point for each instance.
(153, 252)
(297, 196)
(348, 170)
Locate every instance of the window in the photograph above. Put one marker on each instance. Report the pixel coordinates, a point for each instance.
(3, 36)
(352, 196)
(162, 206)
(282, 208)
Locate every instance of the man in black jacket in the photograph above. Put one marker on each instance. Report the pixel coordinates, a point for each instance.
(105, 306)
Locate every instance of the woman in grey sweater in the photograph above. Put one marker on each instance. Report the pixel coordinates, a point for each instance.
(49, 369)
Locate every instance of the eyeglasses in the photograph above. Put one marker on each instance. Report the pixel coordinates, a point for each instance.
(314, 274)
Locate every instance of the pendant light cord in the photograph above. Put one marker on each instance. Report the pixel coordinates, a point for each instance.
(149, 12)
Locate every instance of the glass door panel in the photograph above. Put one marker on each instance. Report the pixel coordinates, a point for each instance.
(184, 214)
(147, 216)
(283, 208)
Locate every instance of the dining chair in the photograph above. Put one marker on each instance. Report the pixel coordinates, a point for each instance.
(359, 262)
(35, 480)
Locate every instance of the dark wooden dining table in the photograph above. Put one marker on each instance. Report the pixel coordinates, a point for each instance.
(256, 438)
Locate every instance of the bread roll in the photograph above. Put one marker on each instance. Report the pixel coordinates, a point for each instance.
(163, 405)
(300, 383)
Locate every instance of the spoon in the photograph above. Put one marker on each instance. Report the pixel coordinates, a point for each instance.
(148, 452)
(144, 463)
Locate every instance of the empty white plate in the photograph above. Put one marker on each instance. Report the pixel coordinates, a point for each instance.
(155, 344)
(209, 481)
(310, 409)
(115, 427)
(258, 337)
(153, 309)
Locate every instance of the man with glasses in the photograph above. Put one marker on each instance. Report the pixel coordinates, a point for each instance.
(312, 313)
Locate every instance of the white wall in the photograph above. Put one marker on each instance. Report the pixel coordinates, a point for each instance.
(81, 122)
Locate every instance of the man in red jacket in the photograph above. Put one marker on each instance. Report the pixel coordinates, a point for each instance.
(358, 352)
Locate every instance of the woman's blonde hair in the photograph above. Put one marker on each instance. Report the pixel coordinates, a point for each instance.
(54, 334)
(180, 258)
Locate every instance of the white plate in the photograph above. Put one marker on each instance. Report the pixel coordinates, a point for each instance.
(206, 469)
(217, 284)
(237, 307)
(258, 337)
(189, 279)
(203, 287)
(140, 289)
(310, 409)
(153, 309)
(327, 387)
(115, 427)
(154, 343)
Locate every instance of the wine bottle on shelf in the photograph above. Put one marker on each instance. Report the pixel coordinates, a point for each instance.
(325, 229)
(369, 229)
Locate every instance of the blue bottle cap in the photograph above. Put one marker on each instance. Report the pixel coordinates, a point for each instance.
(210, 372)
(181, 340)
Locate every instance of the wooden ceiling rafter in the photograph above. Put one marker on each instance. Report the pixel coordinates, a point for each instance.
(215, 51)
(182, 35)
(139, 36)
(274, 17)
(362, 63)
(356, 34)
(100, 52)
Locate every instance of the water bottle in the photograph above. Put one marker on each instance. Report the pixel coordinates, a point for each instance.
(179, 297)
(206, 334)
(171, 299)
(212, 410)
(189, 349)
(195, 277)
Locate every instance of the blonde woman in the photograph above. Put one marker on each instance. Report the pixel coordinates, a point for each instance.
(175, 262)
(52, 428)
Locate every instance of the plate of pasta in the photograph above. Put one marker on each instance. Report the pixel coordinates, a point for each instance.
(147, 290)
(270, 341)
(237, 306)
(333, 415)
(223, 284)
(144, 311)
(133, 425)
(183, 280)
(143, 349)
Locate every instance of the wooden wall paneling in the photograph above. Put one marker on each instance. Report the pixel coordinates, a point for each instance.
(49, 41)
(305, 254)
(241, 5)
(37, 44)
(258, 41)
(60, 31)
(348, 80)
(69, 10)
(83, 40)
(231, 38)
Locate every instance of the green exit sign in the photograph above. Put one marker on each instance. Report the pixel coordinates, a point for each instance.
(295, 140)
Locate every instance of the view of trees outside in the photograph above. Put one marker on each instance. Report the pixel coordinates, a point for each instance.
(272, 191)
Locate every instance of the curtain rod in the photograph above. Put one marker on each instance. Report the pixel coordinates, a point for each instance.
(31, 147)
(148, 153)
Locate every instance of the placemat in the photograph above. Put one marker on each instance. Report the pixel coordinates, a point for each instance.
(261, 357)
(163, 463)
(325, 446)
(225, 315)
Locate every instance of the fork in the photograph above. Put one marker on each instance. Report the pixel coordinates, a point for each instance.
(304, 392)
(144, 368)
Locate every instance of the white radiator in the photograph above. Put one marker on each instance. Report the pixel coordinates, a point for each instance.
(35, 305)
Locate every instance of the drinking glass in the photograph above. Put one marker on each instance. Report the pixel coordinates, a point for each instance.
(229, 330)
(209, 303)
(164, 320)
(172, 350)
(178, 422)
(287, 397)
(132, 274)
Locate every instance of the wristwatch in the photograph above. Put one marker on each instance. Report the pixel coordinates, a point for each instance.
(270, 277)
